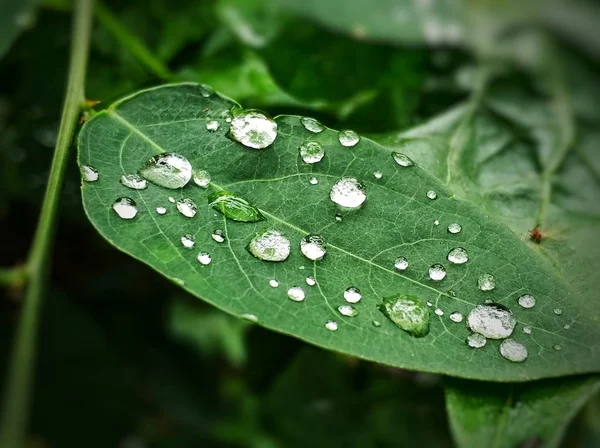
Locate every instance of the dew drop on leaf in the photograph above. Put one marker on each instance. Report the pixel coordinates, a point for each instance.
(311, 152)
(458, 255)
(171, 199)
(348, 138)
(437, 272)
(376, 323)
(187, 207)
(486, 282)
(206, 91)
(558, 311)
(527, 329)
(436, 222)
(234, 207)
(313, 181)
(168, 170)
(250, 317)
(402, 160)
(439, 312)
(456, 317)
(270, 245)
(475, 340)
(408, 313)
(557, 347)
(339, 217)
(161, 210)
(296, 293)
(566, 326)
(253, 129)
(331, 325)
(88, 173)
(401, 263)
(313, 247)
(187, 241)
(134, 181)
(310, 281)
(273, 283)
(432, 194)
(312, 125)
(347, 310)
(218, 235)
(204, 258)
(212, 125)
(513, 351)
(454, 228)
(201, 178)
(526, 301)
(493, 321)
(378, 174)
(348, 192)
(125, 208)
(352, 294)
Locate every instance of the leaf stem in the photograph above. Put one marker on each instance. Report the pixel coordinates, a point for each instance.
(13, 276)
(20, 376)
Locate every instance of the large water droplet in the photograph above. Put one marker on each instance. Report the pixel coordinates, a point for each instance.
(296, 294)
(432, 194)
(187, 207)
(310, 281)
(311, 152)
(348, 192)
(161, 210)
(492, 321)
(313, 247)
(168, 170)
(526, 301)
(513, 350)
(456, 317)
(253, 129)
(234, 207)
(331, 325)
(408, 313)
(218, 235)
(475, 340)
(201, 178)
(348, 138)
(187, 241)
(401, 263)
(204, 258)
(437, 272)
(273, 283)
(125, 208)
(458, 255)
(347, 310)
(270, 245)
(312, 125)
(134, 181)
(352, 294)
(88, 173)
(213, 125)
(454, 228)
(402, 159)
(486, 282)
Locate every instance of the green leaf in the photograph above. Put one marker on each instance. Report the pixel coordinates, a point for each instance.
(507, 415)
(362, 245)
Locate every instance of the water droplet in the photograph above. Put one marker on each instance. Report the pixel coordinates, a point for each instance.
(339, 217)
(566, 326)
(493, 321)
(376, 323)
(187, 207)
(348, 192)
(250, 317)
(456, 317)
(437, 272)
(451, 293)
(527, 329)
(313, 247)
(378, 174)
(513, 351)
(486, 282)
(558, 311)
(188, 241)
(253, 129)
(401, 263)
(206, 90)
(526, 301)
(161, 210)
(204, 258)
(235, 207)
(296, 294)
(270, 245)
(475, 340)
(557, 347)
(88, 173)
(439, 312)
(408, 313)
(273, 283)
(348, 138)
(331, 325)
(134, 181)
(432, 194)
(458, 255)
(171, 199)
(454, 228)
(168, 170)
(313, 181)
(402, 159)
(202, 178)
(429, 304)
(352, 294)
(213, 125)
(311, 152)
(312, 125)
(347, 310)
(436, 223)
(125, 208)
(310, 281)
(218, 235)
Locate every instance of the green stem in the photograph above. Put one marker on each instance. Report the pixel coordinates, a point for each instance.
(13, 425)
(137, 49)
(13, 276)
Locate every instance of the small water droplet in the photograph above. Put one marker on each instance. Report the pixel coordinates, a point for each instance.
(250, 317)
(206, 90)
(402, 159)
(296, 293)
(273, 283)
(558, 311)
(312, 125)
(439, 312)
(437, 272)
(451, 293)
(526, 301)
(204, 258)
(253, 129)
(348, 192)
(527, 329)
(486, 282)
(310, 281)
(313, 181)
(201, 178)
(171, 199)
(218, 235)
(376, 323)
(188, 241)
(456, 317)
(311, 152)
(134, 181)
(432, 194)
(270, 245)
(475, 340)
(187, 207)
(513, 351)
(213, 125)
(348, 138)
(566, 326)
(235, 207)
(331, 325)
(557, 347)
(436, 222)
(161, 210)
(378, 174)
(401, 263)
(339, 217)
(493, 321)
(313, 247)
(454, 228)
(347, 310)
(458, 255)
(408, 313)
(168, 170)
(88, 173)
(125, 208)
(429, 304)
(352, 294)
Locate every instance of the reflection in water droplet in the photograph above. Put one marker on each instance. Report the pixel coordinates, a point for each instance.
(439, 312)
(348, 192)
(201, 178)
(458, 255)
(331, 325)
(270, 245)
(527, 330)
(235, 207)
(437, 272)
(312, 125)
(218, 235)
(513, 350)
(161, 210)
(125, 208)
(204, 258)
(352, 294)
(402, 159)
(313, 181)
(348, 138)
(206, 90)
(313, 247)
(88, 173)
(273, 283)
(408, 313)
(347, 310)
(526, 301)
(475, 340)
(558, 311)
(253, 129)
(401, 263)
(432, 194)
(378, 174)
(486, 282)
(310, 281)
(188, 241)
(456, 317)
(250, 317)
(376, 323)
(311, 152)
(557, 347)
(168, 170)
(134, 181)
(493, 321)
(213, 125)
(454, 228)
(296, 294)
(187, 207)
